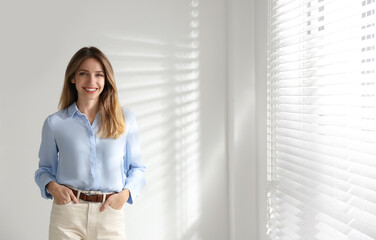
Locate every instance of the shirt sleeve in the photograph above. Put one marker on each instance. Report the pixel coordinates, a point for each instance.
(47, 160)
(134, 169)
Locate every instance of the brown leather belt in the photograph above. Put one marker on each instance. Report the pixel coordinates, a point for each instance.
(92, 198)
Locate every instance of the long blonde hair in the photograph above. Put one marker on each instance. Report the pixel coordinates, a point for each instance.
(111, 114)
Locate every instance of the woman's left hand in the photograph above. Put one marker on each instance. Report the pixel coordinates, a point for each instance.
(116, 201)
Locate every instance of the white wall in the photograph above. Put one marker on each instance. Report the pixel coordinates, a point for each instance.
(170, 69)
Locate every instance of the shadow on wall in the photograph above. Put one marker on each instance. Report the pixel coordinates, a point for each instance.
(158, 79)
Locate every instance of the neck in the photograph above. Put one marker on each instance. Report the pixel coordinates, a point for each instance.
(89, 108)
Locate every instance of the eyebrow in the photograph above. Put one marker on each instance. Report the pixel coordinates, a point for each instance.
(87, 70)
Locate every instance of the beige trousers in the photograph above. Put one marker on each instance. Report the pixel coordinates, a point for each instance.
(84, 221)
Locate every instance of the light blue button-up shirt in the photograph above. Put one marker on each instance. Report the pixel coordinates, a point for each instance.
(71, 154)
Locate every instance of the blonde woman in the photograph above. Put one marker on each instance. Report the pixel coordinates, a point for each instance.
(89, 157)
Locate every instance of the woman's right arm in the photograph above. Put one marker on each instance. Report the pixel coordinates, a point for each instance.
(45, 176)
(47, 160)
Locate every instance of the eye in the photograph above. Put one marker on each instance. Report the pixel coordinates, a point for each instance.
(99, 75)
(82, 73)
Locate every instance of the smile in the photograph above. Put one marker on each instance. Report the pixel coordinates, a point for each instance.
(90, 90)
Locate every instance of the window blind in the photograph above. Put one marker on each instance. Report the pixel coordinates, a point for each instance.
(321, 120)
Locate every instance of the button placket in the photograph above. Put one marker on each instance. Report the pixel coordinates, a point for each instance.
(93, 150)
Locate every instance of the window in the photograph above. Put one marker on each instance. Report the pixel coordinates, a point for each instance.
(321, 120)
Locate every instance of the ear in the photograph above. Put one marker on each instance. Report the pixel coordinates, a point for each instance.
(73, 81)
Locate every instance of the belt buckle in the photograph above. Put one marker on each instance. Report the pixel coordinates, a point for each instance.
(94, 198)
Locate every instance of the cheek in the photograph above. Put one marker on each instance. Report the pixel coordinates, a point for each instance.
(78, 83)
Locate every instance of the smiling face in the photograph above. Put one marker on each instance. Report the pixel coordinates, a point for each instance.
(89, 80)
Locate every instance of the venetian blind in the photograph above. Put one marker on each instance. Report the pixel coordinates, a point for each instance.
(321, 120)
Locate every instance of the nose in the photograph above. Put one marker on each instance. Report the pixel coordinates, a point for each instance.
(91, 78)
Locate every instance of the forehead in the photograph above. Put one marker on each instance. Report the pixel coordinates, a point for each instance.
(91, 64)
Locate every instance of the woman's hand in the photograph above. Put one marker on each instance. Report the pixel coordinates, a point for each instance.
(116, 201)
(62, 194)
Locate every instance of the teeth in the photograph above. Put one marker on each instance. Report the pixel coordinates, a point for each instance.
(90, 89)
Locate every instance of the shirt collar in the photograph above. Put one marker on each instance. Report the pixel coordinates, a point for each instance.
(72, 109)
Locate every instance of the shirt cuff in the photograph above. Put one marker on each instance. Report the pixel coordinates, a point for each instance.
(130, 199)
(44, 191)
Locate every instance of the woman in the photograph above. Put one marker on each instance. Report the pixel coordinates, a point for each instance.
(89, 158)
